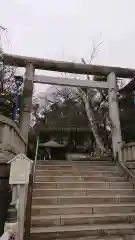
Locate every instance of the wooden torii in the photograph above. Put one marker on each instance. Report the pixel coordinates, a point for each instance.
(111, 73)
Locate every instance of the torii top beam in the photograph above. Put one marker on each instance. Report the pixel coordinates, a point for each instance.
(70, 67)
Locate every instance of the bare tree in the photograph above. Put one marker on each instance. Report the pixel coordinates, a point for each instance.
(6, 72)
(7, 80)
(87, 96)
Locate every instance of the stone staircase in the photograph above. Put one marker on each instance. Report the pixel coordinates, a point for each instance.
(82, 200)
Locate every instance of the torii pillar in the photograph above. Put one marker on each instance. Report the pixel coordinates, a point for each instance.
(114, 113)
(27, 100)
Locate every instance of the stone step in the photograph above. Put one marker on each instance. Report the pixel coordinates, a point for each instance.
(95, 173)
(83, 200)
(71, 163)
(99, 238)
(81, 192)
(78, 219)
(127, 237)
(83, 230)
(79, 178)
(42, 210)
(82, 184)
(77, 167)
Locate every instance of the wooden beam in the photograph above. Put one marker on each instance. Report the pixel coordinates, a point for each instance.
(69, 82)
(71, 67)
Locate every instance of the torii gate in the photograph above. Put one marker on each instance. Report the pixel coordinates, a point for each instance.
(44, 64)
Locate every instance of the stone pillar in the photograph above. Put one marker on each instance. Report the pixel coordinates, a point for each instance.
(27, 100)
(114, 113)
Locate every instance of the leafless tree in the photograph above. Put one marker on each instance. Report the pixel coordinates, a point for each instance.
(87, 96)
(7, 80)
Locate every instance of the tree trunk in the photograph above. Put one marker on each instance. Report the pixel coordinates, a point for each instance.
(90, 116)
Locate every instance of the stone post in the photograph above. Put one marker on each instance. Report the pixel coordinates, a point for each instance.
(114, 113)
(27, 100)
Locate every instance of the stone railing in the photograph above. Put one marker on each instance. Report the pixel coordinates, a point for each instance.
(128, 152)
(126, 158)
(11, 140)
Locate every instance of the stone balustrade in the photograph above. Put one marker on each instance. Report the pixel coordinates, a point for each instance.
(11, 140)
(128, 152)
(127, 155)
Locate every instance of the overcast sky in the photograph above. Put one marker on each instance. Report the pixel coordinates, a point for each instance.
(66, 29)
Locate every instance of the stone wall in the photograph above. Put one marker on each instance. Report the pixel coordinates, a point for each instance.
(11, 140)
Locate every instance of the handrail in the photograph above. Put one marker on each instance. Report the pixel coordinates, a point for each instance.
(27, 223)
(123, 165)
(122, 162)
(29, 196)
(35, 162)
